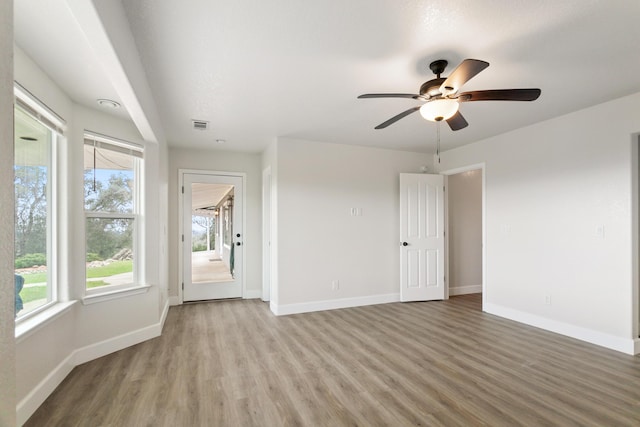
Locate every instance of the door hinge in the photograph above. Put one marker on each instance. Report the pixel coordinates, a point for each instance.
(183, 237)
(183, 189)
(443, 189)
(183, 286)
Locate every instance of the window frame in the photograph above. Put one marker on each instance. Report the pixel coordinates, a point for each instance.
(30, 105)
(137, 216)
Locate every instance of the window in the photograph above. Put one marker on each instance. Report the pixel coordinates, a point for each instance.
(36, 132)
(112, 204)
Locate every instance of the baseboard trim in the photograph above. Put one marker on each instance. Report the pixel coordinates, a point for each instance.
(174, 300)
(464, 290)
(163, 316)
(628, 346)
(32, 401)
(252, 294)
(308, 307)
(108, 346)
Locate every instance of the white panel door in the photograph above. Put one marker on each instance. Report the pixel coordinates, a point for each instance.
(212, 222)
(421, 237)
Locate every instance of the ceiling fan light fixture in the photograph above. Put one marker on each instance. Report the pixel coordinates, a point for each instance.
(439, 109)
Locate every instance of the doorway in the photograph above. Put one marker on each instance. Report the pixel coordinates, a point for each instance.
(465, 231)
(266, 234)
(635, 227)
(212, 235)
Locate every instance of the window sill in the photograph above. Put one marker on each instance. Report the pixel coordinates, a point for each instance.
(34, 323)
(111, 295)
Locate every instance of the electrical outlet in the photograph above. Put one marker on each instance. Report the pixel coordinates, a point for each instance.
(335, 285)
(547, 300)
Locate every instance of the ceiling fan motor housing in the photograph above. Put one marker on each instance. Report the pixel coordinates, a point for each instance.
(431, 88)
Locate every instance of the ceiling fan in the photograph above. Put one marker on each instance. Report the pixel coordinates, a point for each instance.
(442, 99)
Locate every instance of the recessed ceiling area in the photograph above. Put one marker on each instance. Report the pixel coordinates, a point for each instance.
(257, 71)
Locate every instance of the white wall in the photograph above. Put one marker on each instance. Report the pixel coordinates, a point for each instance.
(45, 355)
(7, 341)
(221, 161)
(464, 225)
(318, 239)
(550, 189)
(270, 248)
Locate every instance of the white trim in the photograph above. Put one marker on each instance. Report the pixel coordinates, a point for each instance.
(34, 106)
(28, 326)
(307, 307)
(252, 294)
(32, 401)
(109, 215)
(636, 346)
(109, 141)
(181, 232)
(635, 237)
(163, 316)
(624, 345)
(464, 290)
(266, 233)
(174, 300)
(482, 167)
(115, 294)
(111, 345)
(36, 397)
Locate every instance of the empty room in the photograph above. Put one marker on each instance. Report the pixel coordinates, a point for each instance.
(324, 213)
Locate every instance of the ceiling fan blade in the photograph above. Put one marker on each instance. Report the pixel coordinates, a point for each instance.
(457, 121)
(391, 95)
(462, 74)
(500, 95)
(394, 119)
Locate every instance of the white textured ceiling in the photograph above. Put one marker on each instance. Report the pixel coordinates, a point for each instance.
(258, 70)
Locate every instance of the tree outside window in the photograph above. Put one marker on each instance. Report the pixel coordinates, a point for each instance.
(112, 208)
(33, 171)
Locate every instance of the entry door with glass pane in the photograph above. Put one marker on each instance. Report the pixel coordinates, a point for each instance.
(213, 236)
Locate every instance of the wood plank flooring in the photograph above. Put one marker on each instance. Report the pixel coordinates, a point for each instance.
(233, 363)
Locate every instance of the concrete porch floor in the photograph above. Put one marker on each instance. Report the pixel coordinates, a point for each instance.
(206, 266)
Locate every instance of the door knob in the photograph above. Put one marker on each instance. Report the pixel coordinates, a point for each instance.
(238, 243)
(238, 235)
(405, 244)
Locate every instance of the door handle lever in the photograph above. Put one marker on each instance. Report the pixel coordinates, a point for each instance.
(405, 244)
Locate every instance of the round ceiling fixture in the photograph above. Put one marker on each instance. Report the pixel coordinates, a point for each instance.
(108, 103)
(439, 109)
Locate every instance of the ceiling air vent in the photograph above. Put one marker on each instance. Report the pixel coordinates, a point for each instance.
(200, 124)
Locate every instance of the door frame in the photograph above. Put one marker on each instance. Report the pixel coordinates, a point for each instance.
(635, 241)
(266, 234)
(446, 173)
(181, 231)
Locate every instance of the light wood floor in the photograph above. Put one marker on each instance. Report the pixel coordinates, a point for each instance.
(233, 363)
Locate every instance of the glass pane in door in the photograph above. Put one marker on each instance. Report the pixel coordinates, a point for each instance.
(212, 246)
